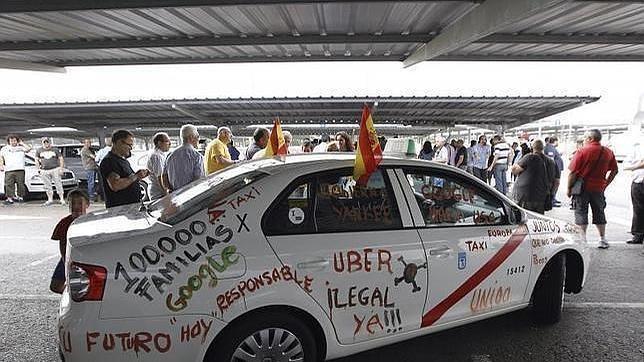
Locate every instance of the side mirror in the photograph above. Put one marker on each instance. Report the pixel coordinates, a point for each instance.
(519, 215)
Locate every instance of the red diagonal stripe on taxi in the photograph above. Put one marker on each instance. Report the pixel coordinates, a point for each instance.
(441, 308)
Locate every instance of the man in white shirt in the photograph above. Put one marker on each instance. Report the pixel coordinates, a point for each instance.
(155, 164)
(324, 143)
(499, 165)
(635, 163)
(442, 154)
(12, 162)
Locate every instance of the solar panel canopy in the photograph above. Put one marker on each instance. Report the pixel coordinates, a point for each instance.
(49, 35)
(316, 115)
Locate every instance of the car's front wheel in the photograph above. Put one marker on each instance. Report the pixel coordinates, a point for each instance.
(548, 294)
(275, 337)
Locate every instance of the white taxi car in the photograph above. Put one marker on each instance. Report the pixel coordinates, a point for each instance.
(292, 260)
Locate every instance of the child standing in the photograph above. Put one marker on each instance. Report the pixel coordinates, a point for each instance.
(78, 201)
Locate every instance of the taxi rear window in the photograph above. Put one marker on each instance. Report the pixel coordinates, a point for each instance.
(331, 202)
(196, 196)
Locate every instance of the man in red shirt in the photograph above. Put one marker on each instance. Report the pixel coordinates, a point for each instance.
(597, 166)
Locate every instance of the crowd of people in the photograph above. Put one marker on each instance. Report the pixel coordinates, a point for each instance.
(535, 167)
(492, 162)
(170, 171)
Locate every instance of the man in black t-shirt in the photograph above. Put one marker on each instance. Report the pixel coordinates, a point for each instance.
(120, 182)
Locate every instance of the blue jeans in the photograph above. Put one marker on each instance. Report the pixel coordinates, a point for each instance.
(91, 183)
(500, 181)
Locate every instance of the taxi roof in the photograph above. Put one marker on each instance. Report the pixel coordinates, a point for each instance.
(336, 159)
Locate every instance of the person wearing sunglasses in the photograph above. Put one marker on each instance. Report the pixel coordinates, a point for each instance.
(120, 182)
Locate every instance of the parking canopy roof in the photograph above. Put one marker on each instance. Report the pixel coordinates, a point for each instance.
(392, 115)
(47, 35)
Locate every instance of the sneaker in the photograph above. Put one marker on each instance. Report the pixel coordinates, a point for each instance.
(47, 203)
(635, 240)
(19, 199)
(63, 203)
(603, 244)
(8, 202)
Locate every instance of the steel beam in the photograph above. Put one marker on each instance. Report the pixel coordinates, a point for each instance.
(545, 114)
(542, 58)
(490, 17)
(206, 41)
(190, 114)
(292, 101)
(20, 65)
(25, 118)
(256, 59)
(562, 39)
(21, 6)
(316, 118)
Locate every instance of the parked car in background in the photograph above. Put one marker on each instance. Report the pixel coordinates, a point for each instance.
(71, 154)
(271, 260)
(33, 182)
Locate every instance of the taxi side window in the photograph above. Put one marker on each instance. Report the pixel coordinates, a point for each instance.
(293, 213)
(343, 205)
(446, 201)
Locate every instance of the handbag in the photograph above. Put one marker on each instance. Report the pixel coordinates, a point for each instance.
(578, 187)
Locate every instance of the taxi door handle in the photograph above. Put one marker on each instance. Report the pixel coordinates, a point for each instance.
(314, 264)
(441, 251)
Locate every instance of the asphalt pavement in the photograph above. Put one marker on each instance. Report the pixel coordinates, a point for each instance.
(605, 322)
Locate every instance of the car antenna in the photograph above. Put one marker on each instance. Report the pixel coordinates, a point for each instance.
(144, 208)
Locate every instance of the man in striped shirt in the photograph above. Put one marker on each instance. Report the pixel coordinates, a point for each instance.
(499, 165)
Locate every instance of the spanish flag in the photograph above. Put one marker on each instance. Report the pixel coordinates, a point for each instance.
(276, 144)
(368, 153)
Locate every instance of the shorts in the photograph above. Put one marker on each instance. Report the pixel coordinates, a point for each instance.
(59, 272)
(597, 202)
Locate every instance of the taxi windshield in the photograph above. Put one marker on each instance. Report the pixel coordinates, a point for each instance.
(197, 195)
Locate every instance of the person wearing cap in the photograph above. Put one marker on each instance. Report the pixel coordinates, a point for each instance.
(50, 165)
(12, 162)
(217, 155)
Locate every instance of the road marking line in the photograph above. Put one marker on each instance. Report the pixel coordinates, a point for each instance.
(607, 305)
(37, 262)
(29, 297)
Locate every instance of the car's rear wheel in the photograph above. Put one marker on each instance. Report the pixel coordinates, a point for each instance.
(548, 294)
(275, 337)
